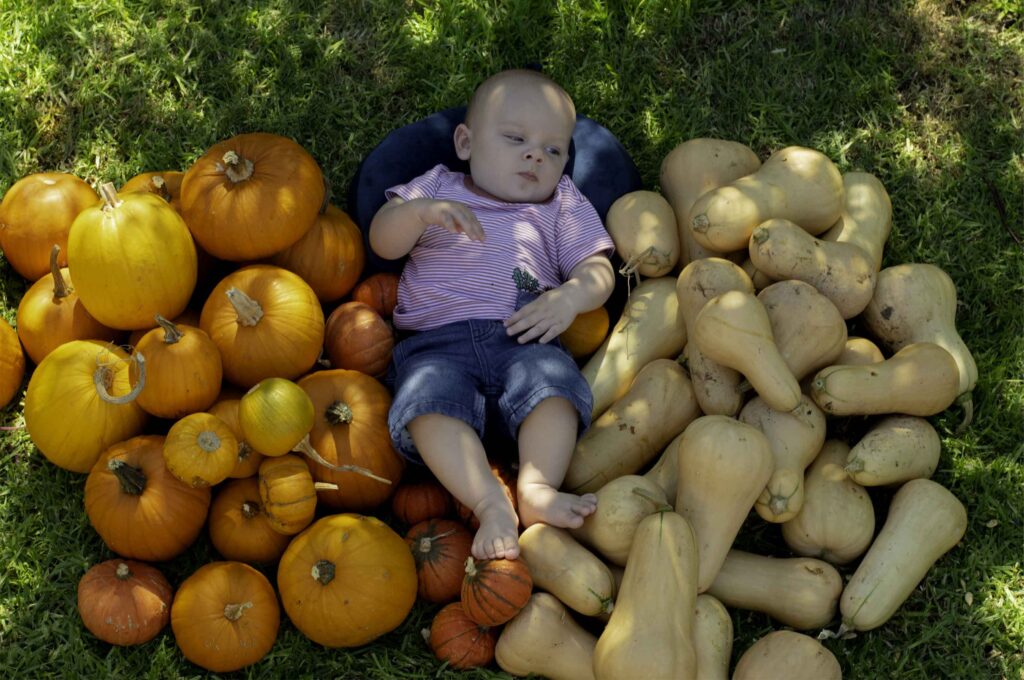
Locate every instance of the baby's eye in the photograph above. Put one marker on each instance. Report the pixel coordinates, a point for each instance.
(514, 138)
(554, 151)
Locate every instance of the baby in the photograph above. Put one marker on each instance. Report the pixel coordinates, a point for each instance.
(500, 263)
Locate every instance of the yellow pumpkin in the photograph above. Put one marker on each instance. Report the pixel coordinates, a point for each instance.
(184, 370)
(329, 257)
(586, 333)
(275, 415)
(12, 363)
(132, 258)
(200, 449)
(79, 402)
(288, 494)
(248, 459)
(166, 185)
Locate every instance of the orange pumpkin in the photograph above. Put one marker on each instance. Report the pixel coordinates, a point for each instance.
(12, 363)
(440, 548)
(329, 257)
(251, 196)
(506, 478)
(351, 428)
(266, 322)
(586, 333)
(357, 338)
(288, 493)
(493, 591)
(379, 291)
(239, 529)
(124, 602)
(248, 459)
(414, 502)
(225, 616)
(166, 185)
(138, 507)
(459, 640)
(37, 212)
(184, 370)
(346, 580)
(189, 317)
(200, 449)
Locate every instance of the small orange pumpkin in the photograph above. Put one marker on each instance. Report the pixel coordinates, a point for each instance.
(415, 502)
(379, 291)
(459, 640)
(586, 333)
(239, 529)
(124, 602)
(357, 338)
(248, 459)
(200, 449)
(183, 370)
(12, 363)
(329, 257)
(190, 317)
(440, 548)
(288, 493)
(493, 591)
(225, 616)
(166, 185)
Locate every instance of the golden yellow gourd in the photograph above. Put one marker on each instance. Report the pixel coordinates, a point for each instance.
(200, 449)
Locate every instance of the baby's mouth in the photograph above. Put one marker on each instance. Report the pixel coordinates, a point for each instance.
(529, 176)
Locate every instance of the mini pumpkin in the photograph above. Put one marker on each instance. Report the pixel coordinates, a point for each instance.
(493, 591)
(414, 502)
(440, 548)
(357, 338)
(379, 291)
(329, 257)
(184, 370)
(166, 185)
(248, 459)
(586, 333)
(124, 602)
(200, 449)
(288, 493)
(459, 640)
(239, 529)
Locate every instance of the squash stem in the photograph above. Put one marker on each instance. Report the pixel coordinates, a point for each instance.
(659, 506)
(250, 509)
(427, 542)
(233, 612)
(237, 168)
(123, 572)
(323, 571)
(208, 441)
(305, 447)
(338, 413)
(103, 380)
(172, 333)
(249, 311)
(325, 486)
(60, 286)
(132, 479)
(109, 194)
(159, 187)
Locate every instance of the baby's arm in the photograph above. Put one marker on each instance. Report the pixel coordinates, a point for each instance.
(590, 283)
(399, 224)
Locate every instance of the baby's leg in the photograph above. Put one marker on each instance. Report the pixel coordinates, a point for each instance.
(547, 438)
(453, 452)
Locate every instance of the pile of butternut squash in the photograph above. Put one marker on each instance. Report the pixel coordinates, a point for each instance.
(716, 396)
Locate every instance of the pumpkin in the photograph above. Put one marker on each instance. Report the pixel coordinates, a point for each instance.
(329, 257)
(248, 459)
(51, 314)
(184, 370)
(275, 415)
(251, 196)
(12, 363)
(225, 616)
(36, 213)
(132, 258)
(346, 580)
(266, 322)
(357, 338)
(189, 317)
(288, 493)
(239, 529)
(493, 591)
(138, 507)
(166, 185)
(79, 402)
(350, 432)
(459, 641)
(415, 502)
(586, 333)
(440, 548)
(507, 478)
(379, 291)
(200, 449)
(124, 602)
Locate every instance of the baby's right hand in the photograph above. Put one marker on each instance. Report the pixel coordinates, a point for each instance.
(453, 216)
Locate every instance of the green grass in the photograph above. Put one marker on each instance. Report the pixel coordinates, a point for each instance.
(926, 96)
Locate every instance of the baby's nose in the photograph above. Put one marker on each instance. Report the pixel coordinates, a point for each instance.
(534, 156)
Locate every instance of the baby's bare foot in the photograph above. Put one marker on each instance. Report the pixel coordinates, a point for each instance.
(498, 535)
(542, 503)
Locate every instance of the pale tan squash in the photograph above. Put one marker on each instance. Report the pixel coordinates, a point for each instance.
(859, 351)
(665, 471)
(925, 522)
(895, 450)
(724, 465)
(786, 655)
(566, 569)
(808, 329)
(643, 227)
(757, 277)
(795, 183)
(712, 639)
(543, 639)
(621, 504)
(866, 219)
(650, 328)
(658, 406)
(837, 520)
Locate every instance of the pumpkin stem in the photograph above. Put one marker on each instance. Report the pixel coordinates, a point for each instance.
(133, 479)
(123, 573)
(159, 187)
(172, 333)
(248, 310)
(208, 441)
(471, 569)
(250, 509)
(305, 447)
(109, 194)
(428, 541)
(854, 466)
(325, 486)
(60, 286)
(244, 450)
(233, 612)
(700, 223)
(338, 413)
(323, 571)
(103, 379)
(659, 506)
(237, 168)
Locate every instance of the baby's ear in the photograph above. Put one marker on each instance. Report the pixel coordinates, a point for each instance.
(462, 141)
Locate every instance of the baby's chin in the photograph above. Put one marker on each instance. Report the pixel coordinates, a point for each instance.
(531, 193)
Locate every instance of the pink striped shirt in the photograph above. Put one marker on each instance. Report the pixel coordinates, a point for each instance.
(450, 278)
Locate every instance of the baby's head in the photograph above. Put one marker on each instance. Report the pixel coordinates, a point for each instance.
(516, 136)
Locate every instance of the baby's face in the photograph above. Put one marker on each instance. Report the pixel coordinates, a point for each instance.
(518, 142)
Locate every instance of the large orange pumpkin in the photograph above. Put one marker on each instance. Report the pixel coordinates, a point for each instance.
(138, 507)
(346, 580)
(357, 338)
(459, 640)
(251, 196)
(239, 529)
(184, 370)
(329, 257)
(12, 363)
(266, 322)
(37, 212)
(225, 616)
(351, 428)
(131, 257)
(166, 185)
(124, 602)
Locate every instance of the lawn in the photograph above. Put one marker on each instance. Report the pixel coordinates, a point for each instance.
(927, 96)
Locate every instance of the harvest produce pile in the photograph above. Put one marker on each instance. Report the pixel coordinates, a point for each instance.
(248, 403)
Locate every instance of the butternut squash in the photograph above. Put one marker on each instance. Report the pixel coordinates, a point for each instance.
(925, 522)
(839, 271)
(800, 592)
(665, 471)
(712, 639)
(859, 351)
(734, 330)
(643, 227)
(786, 655)
(808, 329)
(544, 639)
(650, 632)
(621, 504)
(659, 405)
(896, 450)
(837, 520)
(724, 466)
(650, 328)
(757, 277)
(919, 380)
(795, 183)
(866, 219)
(567, 570)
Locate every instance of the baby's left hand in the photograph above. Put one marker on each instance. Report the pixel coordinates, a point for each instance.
(544, 318)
